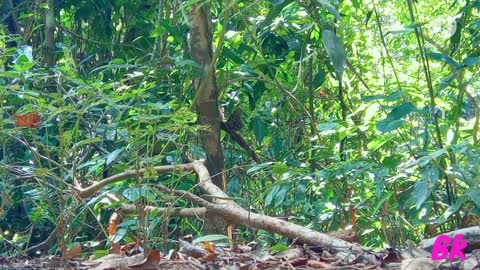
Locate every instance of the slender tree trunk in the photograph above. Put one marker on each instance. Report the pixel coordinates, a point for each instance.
(206, 101)
(49, 46)
(207, 91)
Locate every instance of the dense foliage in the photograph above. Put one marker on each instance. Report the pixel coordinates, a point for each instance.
(362, 113)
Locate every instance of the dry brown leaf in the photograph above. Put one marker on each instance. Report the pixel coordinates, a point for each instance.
(113, 223)
(30, 120)
(74, 251)
(319, 265)
(150, 263)
(208, 246)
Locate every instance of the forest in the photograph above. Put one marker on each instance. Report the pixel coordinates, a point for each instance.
(239, 134)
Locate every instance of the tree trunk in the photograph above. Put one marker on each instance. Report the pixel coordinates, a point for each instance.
(206, 101)
(49, 47)
(207, 92)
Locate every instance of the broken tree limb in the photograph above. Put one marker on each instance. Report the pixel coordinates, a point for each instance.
(238, 215)
(222, 205)
(235, 214)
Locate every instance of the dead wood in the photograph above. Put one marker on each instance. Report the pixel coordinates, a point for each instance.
(222, 205)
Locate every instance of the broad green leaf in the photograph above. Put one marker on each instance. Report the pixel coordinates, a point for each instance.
(279, 247)
(134, 193)
(232, 55)
(474, 195)
(258, 128)
(117, 61)
(334, 47)
(391, 97)
(475, 25)
(401, 111)
(319, 78)
(300, 190)
(273, 192)
(282, 194)
(387, 125)
(443, 58)
(452, 209)
(422, 191)
(113, 155)
(277, 2)
(457, 34)
(210, 238)
(119, 235)
(423, 161)
(378, 142)
(470, 61)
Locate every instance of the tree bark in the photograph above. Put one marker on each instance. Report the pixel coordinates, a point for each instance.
(206, 99)
(49, 46)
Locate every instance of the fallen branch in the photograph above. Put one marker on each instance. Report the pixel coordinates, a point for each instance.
(222, 205)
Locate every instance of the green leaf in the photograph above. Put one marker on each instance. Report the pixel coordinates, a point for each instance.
(282, 194)
(376, 143)
(158, 31)
(369, 15)
(422, 191)
(229, 53)
(117, 61)
(387, 125)
(135, 193)
(356, 4)
(259, 167)
(271, 195)
(474, 195)
(300, 191)
(334, 47)
(457, 35)
(119, 235)
(391, 97)
(470, 61)
(210, 238)
(258, 128)
(279, 247)
(113, 155)
(452, 209)
(443, 58)
(319, 78)
(277, 2)
(401, 111)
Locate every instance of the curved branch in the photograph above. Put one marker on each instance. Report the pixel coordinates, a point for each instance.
(95, 187)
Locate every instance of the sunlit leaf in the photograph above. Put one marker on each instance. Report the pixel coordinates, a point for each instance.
(211, 238)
